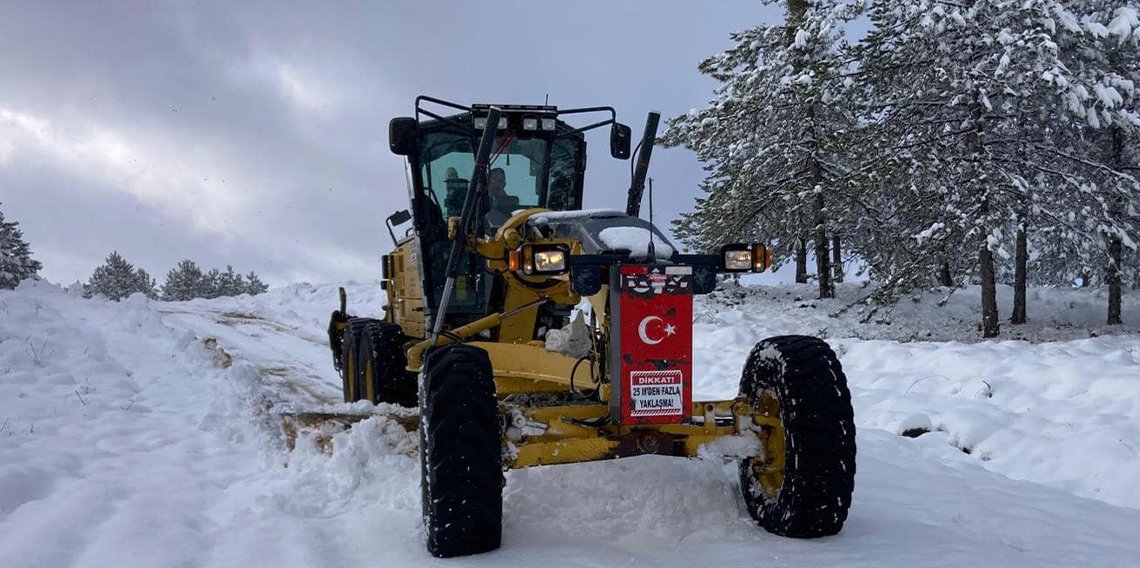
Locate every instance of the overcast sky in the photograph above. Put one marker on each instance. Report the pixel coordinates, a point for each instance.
(256, 134)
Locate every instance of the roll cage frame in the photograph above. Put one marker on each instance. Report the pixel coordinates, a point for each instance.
(429, 221)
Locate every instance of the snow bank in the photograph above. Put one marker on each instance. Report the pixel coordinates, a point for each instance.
(1055, 314)
(148, 434)
(1064, 414)
(102, 460)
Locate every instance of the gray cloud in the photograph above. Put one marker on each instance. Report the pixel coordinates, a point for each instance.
(255, 133)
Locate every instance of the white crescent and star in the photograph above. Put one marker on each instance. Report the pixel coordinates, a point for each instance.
(670, 329)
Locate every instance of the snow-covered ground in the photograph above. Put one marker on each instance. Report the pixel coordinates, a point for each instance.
(150, 434)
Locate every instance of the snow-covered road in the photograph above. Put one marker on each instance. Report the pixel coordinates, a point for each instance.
(147, 434)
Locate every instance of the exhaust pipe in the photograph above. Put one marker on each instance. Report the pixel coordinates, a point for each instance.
(637, 184)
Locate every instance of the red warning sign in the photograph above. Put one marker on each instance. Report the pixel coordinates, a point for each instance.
(653, 332)
(656, 393)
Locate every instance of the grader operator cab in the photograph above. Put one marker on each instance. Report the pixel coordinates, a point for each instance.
(531, 332)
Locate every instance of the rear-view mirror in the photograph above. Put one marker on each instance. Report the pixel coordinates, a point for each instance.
(402, 135)
(619, 141)
(398, 218)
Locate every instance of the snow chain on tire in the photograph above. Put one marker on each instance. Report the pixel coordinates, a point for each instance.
(460, 452)
(804, 376)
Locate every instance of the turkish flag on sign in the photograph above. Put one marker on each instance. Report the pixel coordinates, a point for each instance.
(653, 359)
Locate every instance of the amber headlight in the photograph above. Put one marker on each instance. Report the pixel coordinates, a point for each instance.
(745, 258)
(541, 260)
(549, 261)
(738, 260)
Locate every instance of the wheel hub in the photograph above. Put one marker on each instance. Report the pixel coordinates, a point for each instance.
(768, 468)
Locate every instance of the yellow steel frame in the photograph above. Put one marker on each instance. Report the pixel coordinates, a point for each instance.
(578, 433)
(564, 434)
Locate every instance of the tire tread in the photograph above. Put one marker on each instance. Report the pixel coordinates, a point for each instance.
(815, 407)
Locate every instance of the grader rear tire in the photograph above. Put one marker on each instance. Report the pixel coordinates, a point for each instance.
(800, 379)
(382, 366)
(349, 356)
(460, 453)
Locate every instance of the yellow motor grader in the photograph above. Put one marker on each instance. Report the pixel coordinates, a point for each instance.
(530, 332)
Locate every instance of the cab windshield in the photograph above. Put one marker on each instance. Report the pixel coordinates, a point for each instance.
(517, 176)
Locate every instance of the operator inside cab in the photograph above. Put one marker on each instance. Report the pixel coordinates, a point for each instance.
(502, 205)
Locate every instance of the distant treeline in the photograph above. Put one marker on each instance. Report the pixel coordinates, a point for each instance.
(116, 279)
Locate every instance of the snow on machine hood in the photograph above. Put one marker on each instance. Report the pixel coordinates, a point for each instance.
(605, 231)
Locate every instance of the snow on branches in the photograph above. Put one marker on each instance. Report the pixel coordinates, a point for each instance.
(772, 137)
(956, 142)
(16, 262)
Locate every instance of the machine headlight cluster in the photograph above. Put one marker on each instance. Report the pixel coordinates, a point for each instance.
(738, 260)
(481, 122)
(534, 122)
(548, 261)
(745, 258)
(540, 260)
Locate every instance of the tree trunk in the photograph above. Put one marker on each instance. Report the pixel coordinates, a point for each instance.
(836, 259)
(1115, 253)
(1021, 258)
(944, 277)
(794, 19)
(801, 262)
(990, 327)
(1115, 248)
(822, 259)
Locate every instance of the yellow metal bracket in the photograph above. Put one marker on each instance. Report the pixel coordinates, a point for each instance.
(570, 434)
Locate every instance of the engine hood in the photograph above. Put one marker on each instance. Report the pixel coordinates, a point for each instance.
(603, 231)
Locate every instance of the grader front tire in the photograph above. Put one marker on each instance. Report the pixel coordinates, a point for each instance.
(381, 366)
(802, 487)
(349, 357)
(460, 453)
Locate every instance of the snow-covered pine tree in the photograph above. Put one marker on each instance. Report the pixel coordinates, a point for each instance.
(145, 284)
(16, 262)
(116, 279)
(212, 284)
(771, 137)
(1113, 69)
(230, 283)
(254, 285)
(961, 99)
(1102, 145)
(183, 282)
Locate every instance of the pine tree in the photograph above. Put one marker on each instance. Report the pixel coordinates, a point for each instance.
(963, 102)
(1101, 154)
(772, 139)
(212, 284)
(1114, 69)
(16, 262)
(254, 285)
(184, 282)
(116, 279)
(230, 283)
(145, 284)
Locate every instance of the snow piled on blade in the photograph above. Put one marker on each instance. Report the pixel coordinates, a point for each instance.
(142, 433)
